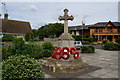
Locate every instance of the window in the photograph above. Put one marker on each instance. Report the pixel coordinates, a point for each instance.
(109, 28)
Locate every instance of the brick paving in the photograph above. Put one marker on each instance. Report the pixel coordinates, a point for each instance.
(107, 60)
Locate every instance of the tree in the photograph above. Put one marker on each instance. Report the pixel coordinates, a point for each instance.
(77, 37)
(55, 29)
(29, 36)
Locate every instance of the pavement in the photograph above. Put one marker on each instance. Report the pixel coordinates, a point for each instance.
(107, 60)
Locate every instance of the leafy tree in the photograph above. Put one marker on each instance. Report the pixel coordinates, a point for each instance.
(35, 32)
(77, 37)
(29, 36)
(22, 68)
(55, 29)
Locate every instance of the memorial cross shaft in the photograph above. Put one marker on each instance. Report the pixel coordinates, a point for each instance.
(66, 17)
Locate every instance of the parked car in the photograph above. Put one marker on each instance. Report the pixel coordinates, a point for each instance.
(78, 44)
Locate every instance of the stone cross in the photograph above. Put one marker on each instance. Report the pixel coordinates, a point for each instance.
(66, 17)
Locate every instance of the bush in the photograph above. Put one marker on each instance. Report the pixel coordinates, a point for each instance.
(92, 50)
(38, 39)
(104, 41)
(7, 38)
(118, 40)
(118, 46)
(19, 47)
(5, 53)
(84, 49)
(77, 38)
(21, 67)
(90, 39)
(35, 51)
(47, 47)
(88, 49)
(29, 36)
(111, 46)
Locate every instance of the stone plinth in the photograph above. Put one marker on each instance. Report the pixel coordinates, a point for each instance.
(65, 66)
(66, 40)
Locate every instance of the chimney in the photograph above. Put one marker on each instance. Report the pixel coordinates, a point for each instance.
(6, 15)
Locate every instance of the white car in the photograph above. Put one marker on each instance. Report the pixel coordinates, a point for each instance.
(78, 44)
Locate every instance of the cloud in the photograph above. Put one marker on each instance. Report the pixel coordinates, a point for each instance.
(30, 8)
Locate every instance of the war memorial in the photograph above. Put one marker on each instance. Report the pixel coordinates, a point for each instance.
(66, 59)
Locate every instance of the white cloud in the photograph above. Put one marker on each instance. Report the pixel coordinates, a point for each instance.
(30, 8)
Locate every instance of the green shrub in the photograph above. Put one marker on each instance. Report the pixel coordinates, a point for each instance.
(77, 38)
(84, 49)
(5, 53)
(88, 49)
(19, 47)
(21, 67)
(111, 46)
(104, 41)
(51, 36)
(47, 47)
(35, 51)
(92, 49)
(7, 38)
(118, 46)
(118, 40)
(29, 36)
(38, 39)
(90, 39)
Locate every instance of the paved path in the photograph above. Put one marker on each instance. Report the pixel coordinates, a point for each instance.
(107, 60)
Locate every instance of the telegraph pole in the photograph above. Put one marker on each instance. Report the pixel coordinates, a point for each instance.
(83, 24)
(82, 31)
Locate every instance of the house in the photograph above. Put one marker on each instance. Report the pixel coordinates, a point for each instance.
(99, 31)
(105, 31)
(82, 30)
(14, 27)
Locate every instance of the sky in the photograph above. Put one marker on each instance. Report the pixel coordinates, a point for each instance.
(42, 13)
